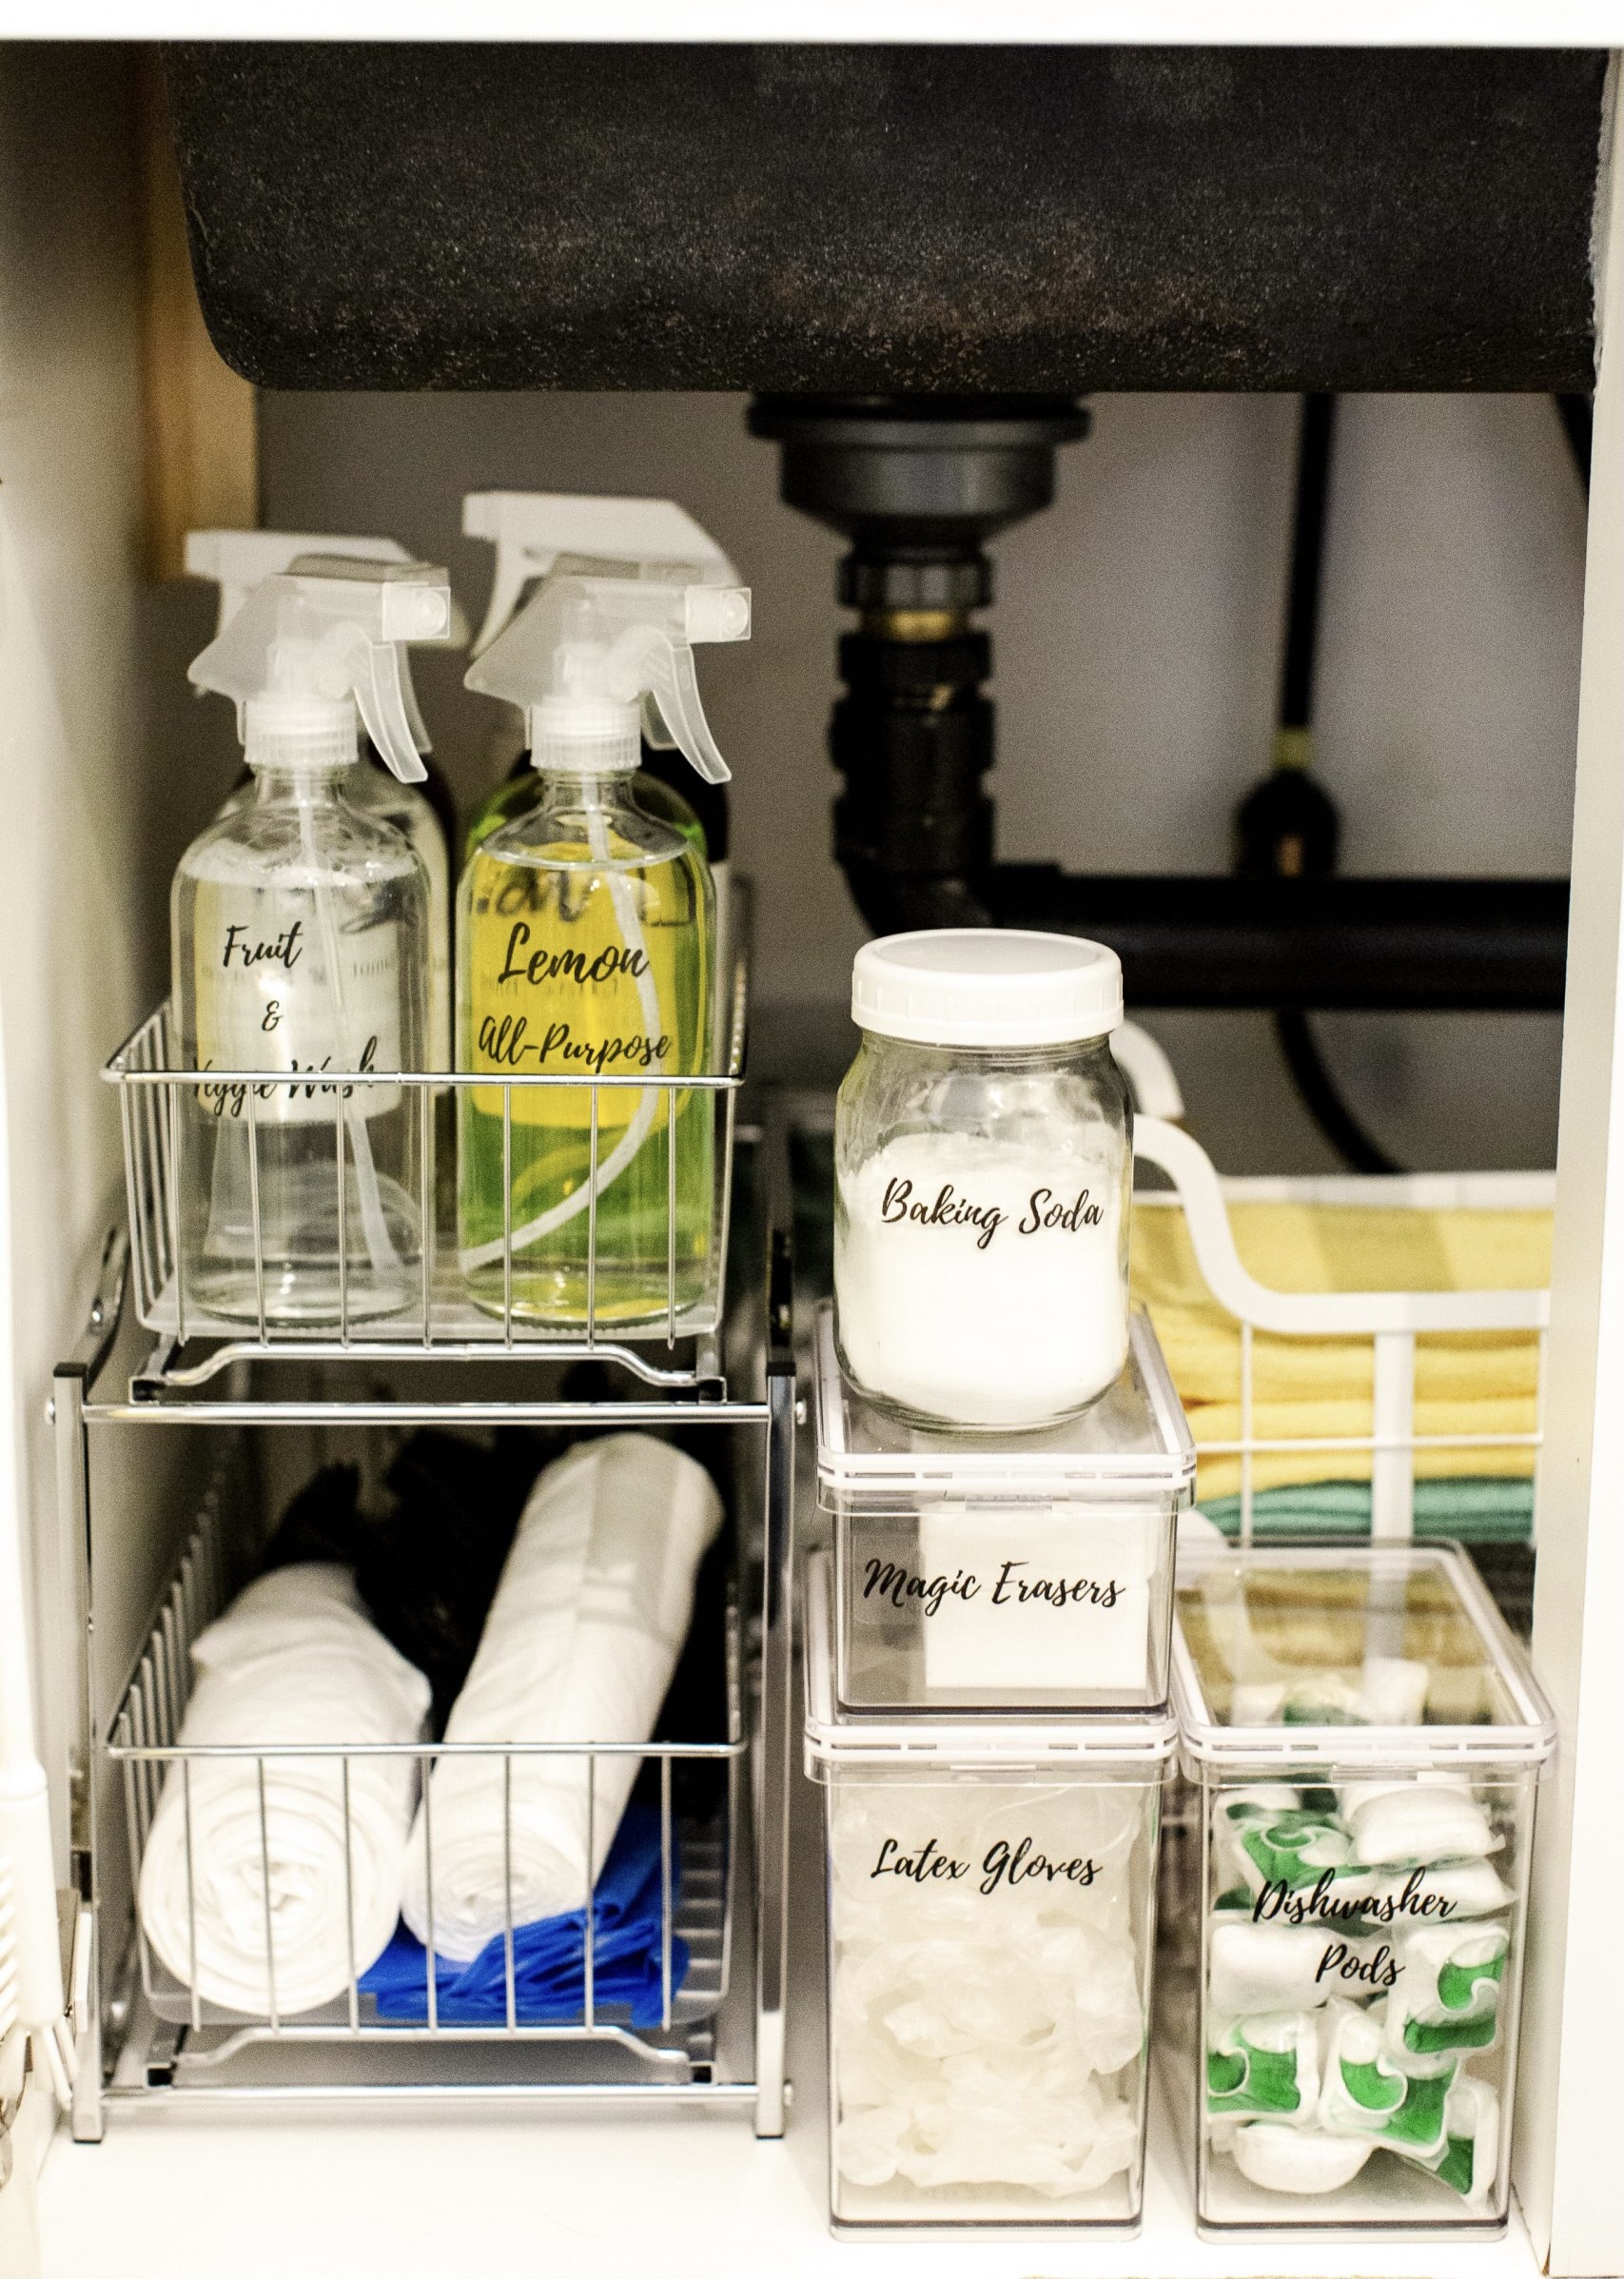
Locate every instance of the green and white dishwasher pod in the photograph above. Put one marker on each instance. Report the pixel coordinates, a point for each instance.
(1365, 1738)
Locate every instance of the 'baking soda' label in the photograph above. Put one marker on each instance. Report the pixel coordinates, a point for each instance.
(1044, 1211)
(265, 1001)
(938, 1229)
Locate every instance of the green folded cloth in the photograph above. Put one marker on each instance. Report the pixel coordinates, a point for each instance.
(1472, 1510)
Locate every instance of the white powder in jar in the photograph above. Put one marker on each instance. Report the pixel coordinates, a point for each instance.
(979, 1282)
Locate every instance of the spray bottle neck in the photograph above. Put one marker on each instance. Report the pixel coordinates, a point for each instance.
(285, 736)
(299, 791)
(576, 736)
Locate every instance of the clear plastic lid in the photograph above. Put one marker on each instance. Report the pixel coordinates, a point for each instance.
(1392, 1653)
(1076, 1742)
(1133, 1442)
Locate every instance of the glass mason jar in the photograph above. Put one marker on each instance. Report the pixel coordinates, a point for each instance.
(983, 1164)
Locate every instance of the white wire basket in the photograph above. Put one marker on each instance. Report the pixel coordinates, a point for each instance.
(1392, 1319)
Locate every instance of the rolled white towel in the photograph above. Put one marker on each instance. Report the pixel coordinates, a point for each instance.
(292, 1659)
(580, 1645)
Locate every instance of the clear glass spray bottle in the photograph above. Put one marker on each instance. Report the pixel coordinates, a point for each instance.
(586, 943)
(300, 939)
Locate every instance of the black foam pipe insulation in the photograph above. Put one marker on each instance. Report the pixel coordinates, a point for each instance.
(881, 218)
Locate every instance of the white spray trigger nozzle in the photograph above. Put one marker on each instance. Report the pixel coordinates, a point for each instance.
(713, 614)
(237, 560)
(543, 534)
(671, 687)
(586, 650)
(333, 632)
(717, 612)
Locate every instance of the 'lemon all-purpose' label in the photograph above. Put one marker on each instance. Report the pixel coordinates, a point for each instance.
(558, 990)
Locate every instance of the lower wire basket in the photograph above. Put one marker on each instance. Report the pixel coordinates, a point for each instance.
(631, 1986)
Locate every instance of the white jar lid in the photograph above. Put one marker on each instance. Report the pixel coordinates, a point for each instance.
(987, 986)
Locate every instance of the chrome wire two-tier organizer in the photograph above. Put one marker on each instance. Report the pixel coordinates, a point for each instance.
(722, 1362)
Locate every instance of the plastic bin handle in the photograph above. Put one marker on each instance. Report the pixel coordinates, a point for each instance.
(1312, 1313)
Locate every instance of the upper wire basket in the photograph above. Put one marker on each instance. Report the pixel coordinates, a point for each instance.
(165, 1107)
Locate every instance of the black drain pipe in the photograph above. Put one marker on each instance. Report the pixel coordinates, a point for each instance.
(918, 484)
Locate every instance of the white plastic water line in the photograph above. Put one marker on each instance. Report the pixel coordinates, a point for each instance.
(1391, 1319)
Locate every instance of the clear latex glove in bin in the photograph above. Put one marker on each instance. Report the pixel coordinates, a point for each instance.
(300, 942)
(586, 954)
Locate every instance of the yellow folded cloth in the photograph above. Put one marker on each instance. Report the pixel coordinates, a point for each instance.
(1306, 1388)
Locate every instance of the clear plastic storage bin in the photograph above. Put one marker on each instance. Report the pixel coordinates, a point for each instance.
(1365, 1738)
(992, 1924)
(1028, 1571)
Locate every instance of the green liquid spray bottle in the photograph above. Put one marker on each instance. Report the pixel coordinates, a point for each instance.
(586, 950)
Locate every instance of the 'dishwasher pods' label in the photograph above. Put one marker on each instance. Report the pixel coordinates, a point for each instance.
(265, 1001)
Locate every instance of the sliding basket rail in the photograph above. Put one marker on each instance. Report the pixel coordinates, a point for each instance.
(261, 1225)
